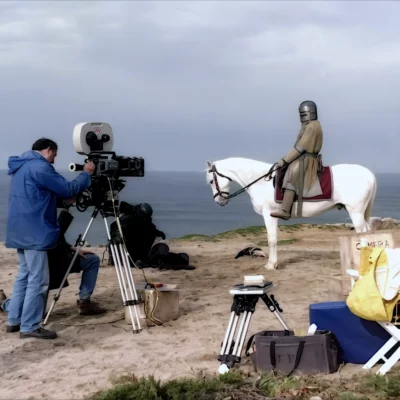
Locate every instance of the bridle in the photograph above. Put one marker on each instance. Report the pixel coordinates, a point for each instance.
(219, 192)
(226, 195)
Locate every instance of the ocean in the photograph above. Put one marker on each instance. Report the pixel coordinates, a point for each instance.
(182, 204)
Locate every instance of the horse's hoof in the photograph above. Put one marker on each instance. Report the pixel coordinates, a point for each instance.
(270, 266)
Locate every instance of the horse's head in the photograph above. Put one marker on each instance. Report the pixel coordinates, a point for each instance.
(219, 184)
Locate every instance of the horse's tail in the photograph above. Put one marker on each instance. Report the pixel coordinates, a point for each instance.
(368, 210)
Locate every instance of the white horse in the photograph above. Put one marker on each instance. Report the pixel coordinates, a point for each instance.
(354, 188)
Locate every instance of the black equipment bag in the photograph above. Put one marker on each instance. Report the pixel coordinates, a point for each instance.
(161, 257)
(285, 353)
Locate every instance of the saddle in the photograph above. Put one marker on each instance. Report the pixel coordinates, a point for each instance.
(324, 175)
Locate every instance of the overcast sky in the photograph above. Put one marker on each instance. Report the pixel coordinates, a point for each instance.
(182, 82)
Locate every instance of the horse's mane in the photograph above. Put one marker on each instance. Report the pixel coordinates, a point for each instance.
(245, 164)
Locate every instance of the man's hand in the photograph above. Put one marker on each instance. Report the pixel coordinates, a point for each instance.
(89, 167)
(72, 200)
(281, 163)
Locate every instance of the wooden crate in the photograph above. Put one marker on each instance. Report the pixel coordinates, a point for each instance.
(350, 246)
(166, 308)
(335, 288)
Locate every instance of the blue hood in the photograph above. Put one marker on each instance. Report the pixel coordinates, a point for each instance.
(16, 162)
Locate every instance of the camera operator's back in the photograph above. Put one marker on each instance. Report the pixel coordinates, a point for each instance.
(32, 214)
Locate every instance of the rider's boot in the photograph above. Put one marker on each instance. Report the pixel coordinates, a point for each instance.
(286, 207)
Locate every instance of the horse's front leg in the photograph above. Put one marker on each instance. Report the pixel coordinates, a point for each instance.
(271, 225)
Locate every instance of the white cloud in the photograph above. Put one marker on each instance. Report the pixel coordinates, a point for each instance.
(326, 34)
(202, 69)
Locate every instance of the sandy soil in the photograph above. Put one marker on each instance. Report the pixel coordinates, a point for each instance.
(91, 351)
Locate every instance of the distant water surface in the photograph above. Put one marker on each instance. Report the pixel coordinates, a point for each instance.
(183, 204)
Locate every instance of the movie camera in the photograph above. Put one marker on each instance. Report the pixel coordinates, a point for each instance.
(95, 140)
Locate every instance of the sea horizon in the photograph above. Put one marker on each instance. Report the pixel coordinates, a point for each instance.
(183, 204)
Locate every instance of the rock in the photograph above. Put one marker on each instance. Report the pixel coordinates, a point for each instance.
(315, 398)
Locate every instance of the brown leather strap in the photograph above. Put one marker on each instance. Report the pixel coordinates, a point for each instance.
(301, 187)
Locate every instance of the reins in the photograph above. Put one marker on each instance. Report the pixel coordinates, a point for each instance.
(228, 196)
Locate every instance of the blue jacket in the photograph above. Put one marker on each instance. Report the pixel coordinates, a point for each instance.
(32, 209)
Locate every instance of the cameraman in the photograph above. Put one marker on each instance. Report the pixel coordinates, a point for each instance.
(87, 262)
(33, 229)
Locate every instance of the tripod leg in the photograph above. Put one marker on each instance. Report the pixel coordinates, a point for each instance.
(79, 245)
(130, 279)
(244, 306)
(127, 298)
(228, 331)
(273, 306)
(240, 330)
(129, 295)
(226, 347)
(244, 334)
(121, 280)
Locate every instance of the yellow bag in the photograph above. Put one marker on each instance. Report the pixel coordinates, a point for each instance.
(364, 300)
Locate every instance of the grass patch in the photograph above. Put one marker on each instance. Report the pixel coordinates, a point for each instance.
(294, 227)
(383, 386)
(350, 396)
(257, 230)
(132, 388)
(203, 238)
(249, 231)
(286, 241)
(280, 242)
(237, 386)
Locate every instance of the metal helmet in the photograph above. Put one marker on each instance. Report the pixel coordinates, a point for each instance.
(308, 111)
(145, 210)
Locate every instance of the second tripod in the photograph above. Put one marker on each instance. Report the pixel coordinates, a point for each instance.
(245, 298)
(123, 270)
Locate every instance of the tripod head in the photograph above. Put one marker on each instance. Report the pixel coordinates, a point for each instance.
(102, 194)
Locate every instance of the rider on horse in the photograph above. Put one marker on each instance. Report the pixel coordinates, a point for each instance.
(301, 164)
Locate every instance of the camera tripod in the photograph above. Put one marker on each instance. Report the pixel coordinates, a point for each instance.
(244, 304)
(124, 274)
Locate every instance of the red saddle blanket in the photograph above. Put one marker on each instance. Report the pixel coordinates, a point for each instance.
(326, 186)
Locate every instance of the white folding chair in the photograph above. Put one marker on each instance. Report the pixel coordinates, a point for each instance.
(393, 331)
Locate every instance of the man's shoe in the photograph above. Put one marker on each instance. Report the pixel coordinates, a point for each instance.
(13, 328)
(283, 214)
(287, 203)
(3, 298)
(87, 307)
(39, 333)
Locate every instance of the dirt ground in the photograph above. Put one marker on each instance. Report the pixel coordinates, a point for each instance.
(91, 351)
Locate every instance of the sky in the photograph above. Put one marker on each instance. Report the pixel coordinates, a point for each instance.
(188, 81)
